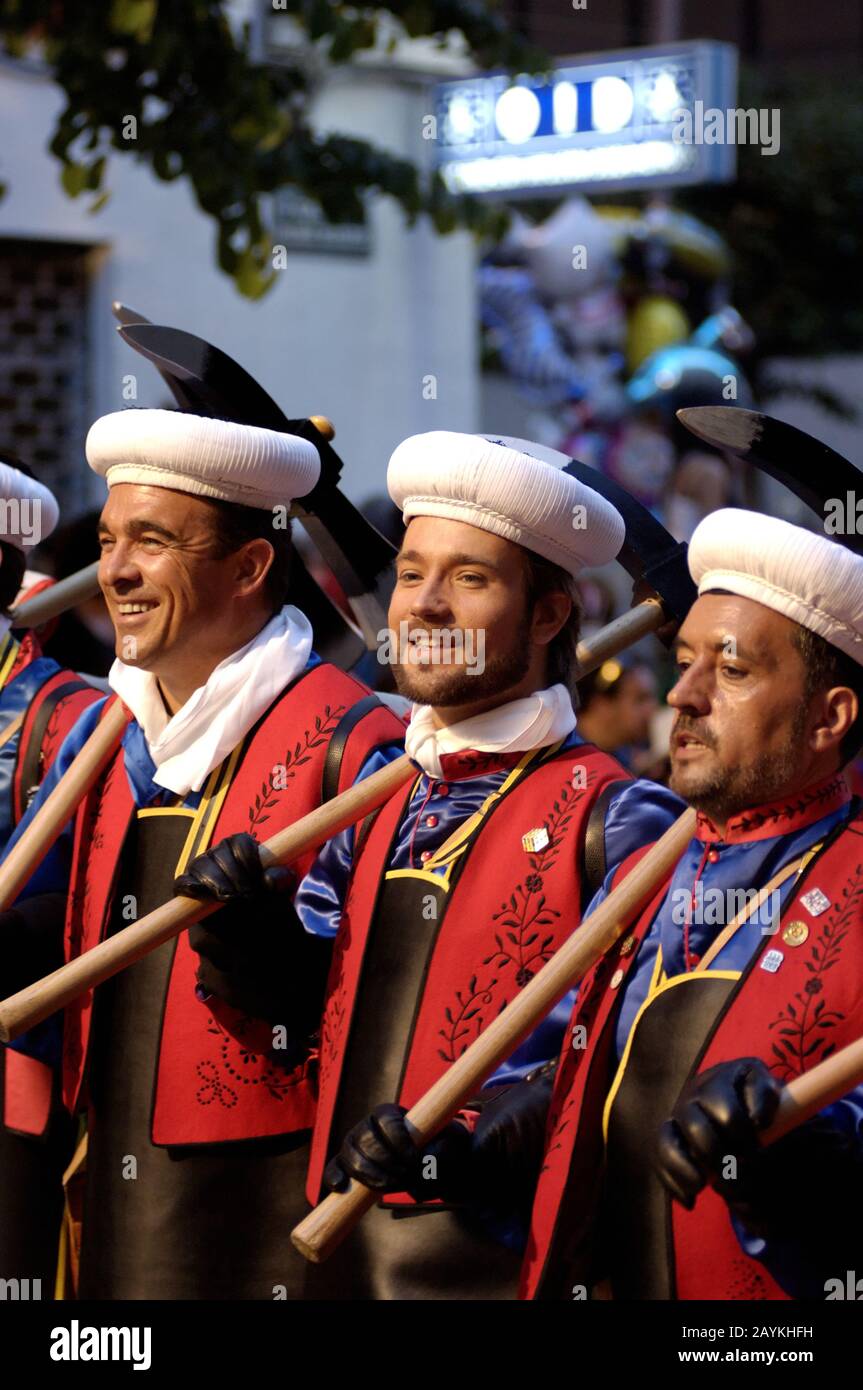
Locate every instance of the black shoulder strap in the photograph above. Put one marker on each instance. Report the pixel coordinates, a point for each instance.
(29, 756)
(339, 742)
(593, 853)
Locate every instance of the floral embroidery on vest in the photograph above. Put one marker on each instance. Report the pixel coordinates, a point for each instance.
(518, 944)
(802, 1038)
(54, 733)
(238, 1057)
(286, 770)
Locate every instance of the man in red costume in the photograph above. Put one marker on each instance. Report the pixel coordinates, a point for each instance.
(195, 1065)
(469, 879)
(653, 1184)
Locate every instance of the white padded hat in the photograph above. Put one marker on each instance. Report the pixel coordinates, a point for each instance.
(510, 487)
(28, 509)
(814, 581)
(210, 458)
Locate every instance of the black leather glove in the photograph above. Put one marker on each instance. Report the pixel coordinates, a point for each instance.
(719, 1115)
(380, 1153)
(232, 870)
(717, 1118)
(496, 1167)
(255, 954)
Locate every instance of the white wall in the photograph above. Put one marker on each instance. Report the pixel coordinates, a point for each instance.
(351, 338)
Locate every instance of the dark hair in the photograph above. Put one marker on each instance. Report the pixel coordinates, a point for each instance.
(826, 666)
(544, 577)
(235, 525)
(12, 567)
(606, 679)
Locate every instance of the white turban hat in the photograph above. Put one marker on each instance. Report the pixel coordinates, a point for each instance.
(510, 487)
(28, 510)
(812, 580)
(210, 458)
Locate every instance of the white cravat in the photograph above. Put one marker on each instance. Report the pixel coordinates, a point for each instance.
(187, 746)
(533, 722)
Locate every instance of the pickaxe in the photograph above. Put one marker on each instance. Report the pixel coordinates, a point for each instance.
(811, 470)
(661, 585)
(205, 381)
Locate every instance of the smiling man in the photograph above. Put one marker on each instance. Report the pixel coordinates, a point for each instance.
(469, 879)
(654, 1183)
(193, 1065)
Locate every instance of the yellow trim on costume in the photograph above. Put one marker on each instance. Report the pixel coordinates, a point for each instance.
(439, 880)
(456, 844)
(207, 813)
(62, 1264)
(454, 847)
(203, 819)
(8, 654)
(657, 986)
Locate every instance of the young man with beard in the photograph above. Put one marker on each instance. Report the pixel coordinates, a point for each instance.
(653, 1183)
(194, 1065)
(467, 881)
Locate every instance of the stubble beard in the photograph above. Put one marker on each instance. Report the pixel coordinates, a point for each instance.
(725, 791)
(444, 686)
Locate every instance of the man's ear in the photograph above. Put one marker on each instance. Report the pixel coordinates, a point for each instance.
(551, 613)
(251, 565)
(840, 709)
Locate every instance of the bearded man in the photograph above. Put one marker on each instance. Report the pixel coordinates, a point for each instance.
(468, 880)
(699, 1017)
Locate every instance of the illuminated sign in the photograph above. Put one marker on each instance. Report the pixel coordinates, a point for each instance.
(601, 123)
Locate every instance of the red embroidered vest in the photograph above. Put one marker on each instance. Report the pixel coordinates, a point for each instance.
(503, 912)
(792, 1018)
(275, 780)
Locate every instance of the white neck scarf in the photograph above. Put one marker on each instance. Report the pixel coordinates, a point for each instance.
(534, 722)
(5, 624)
(187, 746)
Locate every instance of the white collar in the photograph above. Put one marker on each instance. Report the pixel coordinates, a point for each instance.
(533, 722)
(187, 746)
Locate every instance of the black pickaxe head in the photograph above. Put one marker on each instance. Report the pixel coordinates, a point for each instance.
(810, 469)
(653, 559)
(650, 554)
(125, 314)
(205, 381)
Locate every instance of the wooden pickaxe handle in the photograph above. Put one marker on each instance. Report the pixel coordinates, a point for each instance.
(25, 857)
(808, 1094)
(41, 999)
(318, 1235)
(49, 603)
(622, 632)
(31, 849)
(324, 1228)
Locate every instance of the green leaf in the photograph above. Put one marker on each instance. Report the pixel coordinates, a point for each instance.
(251, 280)
(74, 178)
(134, 17)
